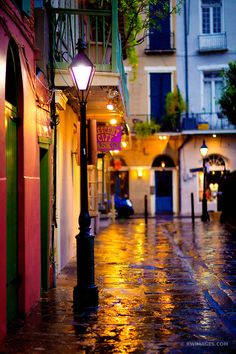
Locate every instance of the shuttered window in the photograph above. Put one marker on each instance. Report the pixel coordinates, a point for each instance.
(160, 85)
(159, 32)
(24, 6)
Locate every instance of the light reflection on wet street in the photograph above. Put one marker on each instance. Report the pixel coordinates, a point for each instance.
(163, 288)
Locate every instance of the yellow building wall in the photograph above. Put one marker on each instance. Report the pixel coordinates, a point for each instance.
(140, 157)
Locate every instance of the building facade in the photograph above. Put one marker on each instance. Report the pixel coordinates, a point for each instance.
(69, 22)
(206, 42)
(24, 128)
(168, 166)
(40, 138)
(152, 162)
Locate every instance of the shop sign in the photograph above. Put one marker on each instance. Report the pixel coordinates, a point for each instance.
(108, 138)
(43, 106)
(43, 123)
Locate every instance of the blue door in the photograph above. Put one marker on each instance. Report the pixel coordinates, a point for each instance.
(160, 85)
(163, 192)
(159, 37)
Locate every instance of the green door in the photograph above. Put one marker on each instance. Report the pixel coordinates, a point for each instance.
(12, 212)
(44, 205)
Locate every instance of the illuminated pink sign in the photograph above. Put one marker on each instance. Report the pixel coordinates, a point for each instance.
(108, 138)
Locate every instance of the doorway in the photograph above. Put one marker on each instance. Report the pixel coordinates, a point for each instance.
(44, 219)
(163, 181)
(120, 183)
(13, 115)
(163, 192)
(12, 211)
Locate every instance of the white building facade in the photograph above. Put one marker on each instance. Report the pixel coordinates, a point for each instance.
(205, 44)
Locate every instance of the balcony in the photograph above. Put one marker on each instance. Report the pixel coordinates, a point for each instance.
(205, 121)
(99, 28)
(212, 42)
(160, 43)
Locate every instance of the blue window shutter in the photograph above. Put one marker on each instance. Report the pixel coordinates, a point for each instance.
(159, 38)
(160, 85)
(26, 7)
(38, 4)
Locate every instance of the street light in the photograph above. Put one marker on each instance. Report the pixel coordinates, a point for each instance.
(85, 292)
(204, 151)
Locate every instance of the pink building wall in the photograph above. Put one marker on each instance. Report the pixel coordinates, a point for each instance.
(29, 172)
(3, 53)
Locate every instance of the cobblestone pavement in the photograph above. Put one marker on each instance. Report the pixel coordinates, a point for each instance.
(165, 287)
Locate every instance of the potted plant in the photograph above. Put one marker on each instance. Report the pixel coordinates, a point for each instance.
(175, 105)
(146, 129)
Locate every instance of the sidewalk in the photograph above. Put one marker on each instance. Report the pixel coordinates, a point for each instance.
(163, 288)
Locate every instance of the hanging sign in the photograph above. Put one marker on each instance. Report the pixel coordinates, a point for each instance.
(108, 138)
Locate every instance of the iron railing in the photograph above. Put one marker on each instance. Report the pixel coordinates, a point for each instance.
(164, 42)
(190, 121)
(92, 26)
(212, 42)
(205, 121)
(99, 29)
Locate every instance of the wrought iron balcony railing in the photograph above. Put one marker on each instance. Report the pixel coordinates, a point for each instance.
(212, 42)
(99, 29)
(191, 121)
(163, 42)
(205, 121)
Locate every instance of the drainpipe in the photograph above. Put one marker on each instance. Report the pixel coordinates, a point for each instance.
(115, 34)
(186, 31)
(54, 123)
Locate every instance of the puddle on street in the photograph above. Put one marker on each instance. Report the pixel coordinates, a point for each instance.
(149, 299)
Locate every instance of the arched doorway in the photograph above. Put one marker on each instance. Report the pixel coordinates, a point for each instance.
(13, 105)
(119, 177)
(215, 178)
(163, 180)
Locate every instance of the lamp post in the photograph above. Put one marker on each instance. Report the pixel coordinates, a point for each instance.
(85, 292)
(204, 151)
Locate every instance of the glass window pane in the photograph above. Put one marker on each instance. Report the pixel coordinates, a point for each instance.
(207, 96)
(218, 93)
(211, 2)
(205, 20)
(216, 20)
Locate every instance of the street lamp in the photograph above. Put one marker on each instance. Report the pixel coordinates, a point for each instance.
(85, 292)
(204, 151)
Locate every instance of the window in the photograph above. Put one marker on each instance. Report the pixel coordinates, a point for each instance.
(211, 16)
(159, 33)
(213, 85)
(92, 190)
(23, 5)
(216, 172)
(160, 85)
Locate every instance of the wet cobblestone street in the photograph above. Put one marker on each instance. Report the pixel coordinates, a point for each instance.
(163, 288)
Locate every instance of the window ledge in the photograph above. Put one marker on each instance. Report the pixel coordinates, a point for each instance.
(159, 51)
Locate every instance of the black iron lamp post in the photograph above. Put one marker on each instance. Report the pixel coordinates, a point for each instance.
(204, 151)
(85, 292)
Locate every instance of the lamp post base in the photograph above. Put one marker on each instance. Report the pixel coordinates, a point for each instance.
(205, 217)
(85, 297)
